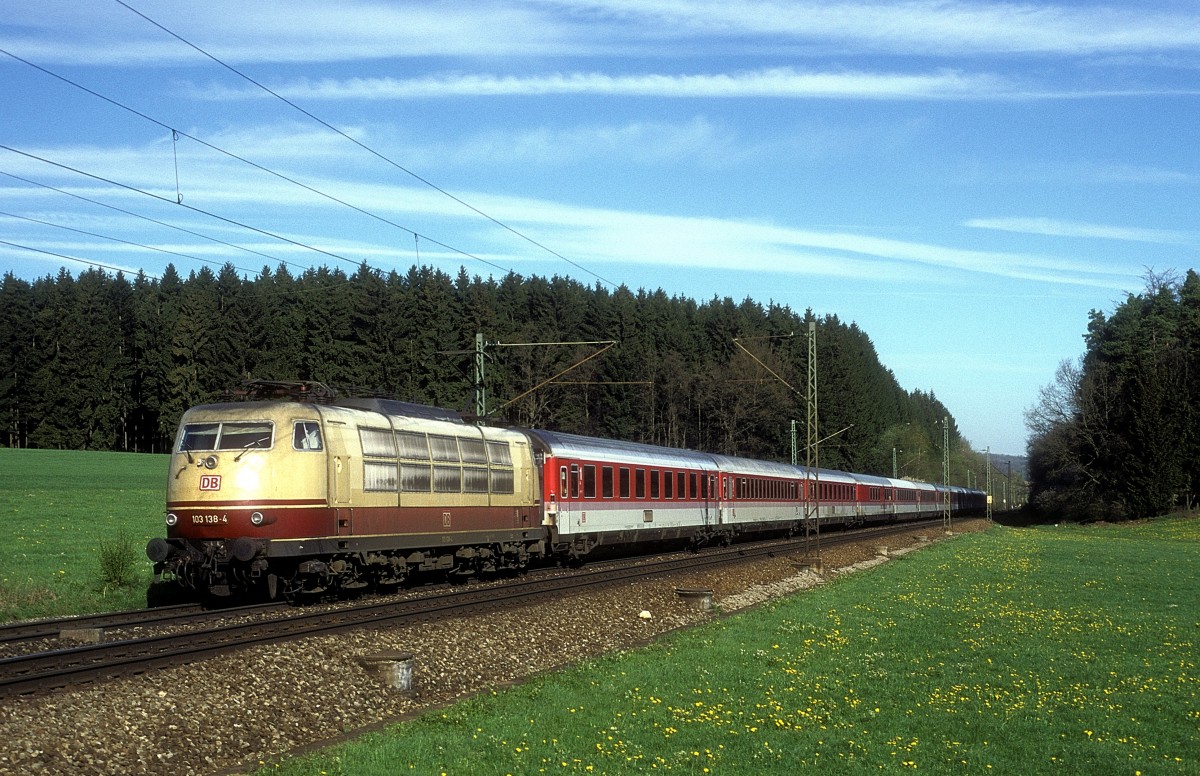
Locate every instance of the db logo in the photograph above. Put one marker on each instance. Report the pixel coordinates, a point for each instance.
(210, 482)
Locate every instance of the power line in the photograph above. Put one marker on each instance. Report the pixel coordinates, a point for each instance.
(365, 147)
(255, 165)
(194, 209)
(72, 258)
(118, 240)
(142, 217)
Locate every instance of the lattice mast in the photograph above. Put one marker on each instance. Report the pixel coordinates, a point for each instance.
(812, 456)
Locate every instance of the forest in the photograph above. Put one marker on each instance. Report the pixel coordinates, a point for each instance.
(100, 361)
(1116, 435)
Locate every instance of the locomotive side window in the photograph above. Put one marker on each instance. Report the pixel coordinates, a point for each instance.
(443, 448)
(414, 477)
(306, 435)
(379, 475)
(415, 473)
(412, 445)
(473, 450)
(475, 469)
(499, 453)
(377, 442)
(502, 481)
(447, 479)
(447, 471)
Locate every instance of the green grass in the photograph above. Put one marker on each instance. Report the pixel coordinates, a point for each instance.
(57, 509)
(1053, 650)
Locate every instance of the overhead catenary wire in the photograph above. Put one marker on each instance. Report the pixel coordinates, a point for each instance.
(119, 240)
(73, 258)
(192, 208)
(176, 227)
(262, 168)
(364, 146)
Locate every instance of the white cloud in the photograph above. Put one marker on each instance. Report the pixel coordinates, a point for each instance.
(1057, 228)
(587, 235)
(316, 31)
(927, 27)
(782, 82)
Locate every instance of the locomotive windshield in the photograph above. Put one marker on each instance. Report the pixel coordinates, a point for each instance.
(225, 436)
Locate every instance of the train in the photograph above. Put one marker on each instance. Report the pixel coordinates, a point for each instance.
(295, 492)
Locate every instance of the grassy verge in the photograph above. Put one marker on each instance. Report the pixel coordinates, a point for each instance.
(70, 520)
(1055, 650)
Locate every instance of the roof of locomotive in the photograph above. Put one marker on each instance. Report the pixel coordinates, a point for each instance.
(401, 409)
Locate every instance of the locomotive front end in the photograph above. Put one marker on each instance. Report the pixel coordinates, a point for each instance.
(241, 476)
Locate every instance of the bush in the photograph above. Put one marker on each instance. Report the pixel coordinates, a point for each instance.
(118, 561)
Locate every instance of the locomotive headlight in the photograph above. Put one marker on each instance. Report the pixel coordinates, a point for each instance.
(256, 518)
(210, 462)
(172, 519)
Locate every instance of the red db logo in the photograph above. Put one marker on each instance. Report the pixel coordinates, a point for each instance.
(210, 482)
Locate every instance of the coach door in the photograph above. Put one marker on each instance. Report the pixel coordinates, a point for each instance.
(568, 494)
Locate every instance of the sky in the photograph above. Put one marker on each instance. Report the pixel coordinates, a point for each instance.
(966, 181)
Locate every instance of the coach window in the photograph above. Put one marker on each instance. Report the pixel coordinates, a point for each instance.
(655, 483)
(624, 482)
(640, 483)
(606, 482)
(668, 485)
(306, 435)
(574, 480)
(589, 481)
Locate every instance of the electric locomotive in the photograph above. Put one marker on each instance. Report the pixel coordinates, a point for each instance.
(294, 497)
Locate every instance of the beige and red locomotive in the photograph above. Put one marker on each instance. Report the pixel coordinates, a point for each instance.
(300, 497)
(295, 496)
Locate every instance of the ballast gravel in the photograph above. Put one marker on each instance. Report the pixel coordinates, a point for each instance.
(234, 713)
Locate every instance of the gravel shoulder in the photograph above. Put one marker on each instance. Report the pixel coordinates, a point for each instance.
(229, 714)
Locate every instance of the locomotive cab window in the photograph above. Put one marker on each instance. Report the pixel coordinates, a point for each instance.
(306, 435)
(226, 436)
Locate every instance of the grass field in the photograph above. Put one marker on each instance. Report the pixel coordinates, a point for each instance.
(57, 508)
(1049, 650)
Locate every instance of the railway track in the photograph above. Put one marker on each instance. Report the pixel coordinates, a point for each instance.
(54, 628)
(73, 666)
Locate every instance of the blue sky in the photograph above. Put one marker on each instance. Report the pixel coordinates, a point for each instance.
(965, 180)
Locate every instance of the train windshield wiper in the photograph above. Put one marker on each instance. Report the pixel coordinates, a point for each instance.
(254, 444)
